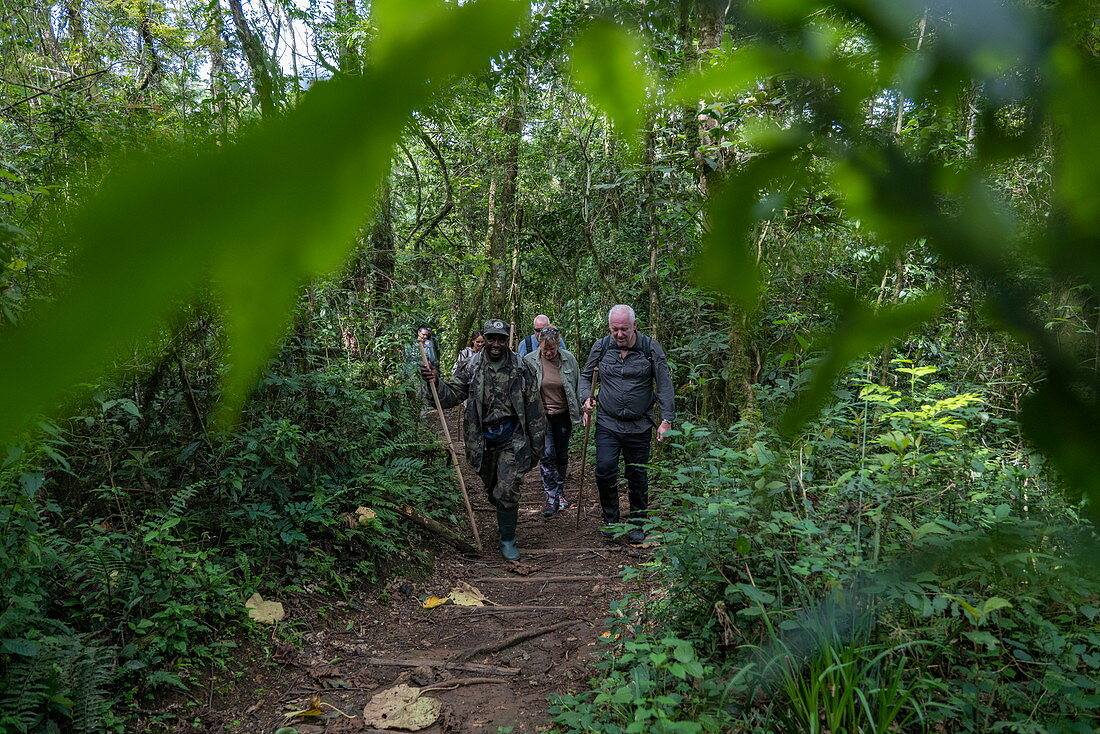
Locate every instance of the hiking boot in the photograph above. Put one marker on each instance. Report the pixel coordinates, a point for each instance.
(506, 523)
(637, 535)
(551, 507)
(609, 535)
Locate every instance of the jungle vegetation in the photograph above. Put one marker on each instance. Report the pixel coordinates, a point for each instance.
(865, 230)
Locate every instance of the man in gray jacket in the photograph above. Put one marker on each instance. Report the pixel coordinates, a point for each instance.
(633, 376)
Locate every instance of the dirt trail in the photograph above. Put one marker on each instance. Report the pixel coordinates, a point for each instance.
(567, 579)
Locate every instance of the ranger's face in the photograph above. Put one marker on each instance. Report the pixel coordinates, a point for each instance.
(496, 345)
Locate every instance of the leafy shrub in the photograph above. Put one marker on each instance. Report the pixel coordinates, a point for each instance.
(939, 555)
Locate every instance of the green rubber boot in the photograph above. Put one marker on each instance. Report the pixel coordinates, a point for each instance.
(506, 522)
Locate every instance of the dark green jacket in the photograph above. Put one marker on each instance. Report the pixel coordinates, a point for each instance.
(523, 390)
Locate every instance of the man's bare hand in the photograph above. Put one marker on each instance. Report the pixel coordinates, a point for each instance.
(662, 429)
(428, 373)
(586, 411)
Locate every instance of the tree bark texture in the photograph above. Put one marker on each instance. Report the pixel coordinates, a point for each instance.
(259, 63)
(502, 205)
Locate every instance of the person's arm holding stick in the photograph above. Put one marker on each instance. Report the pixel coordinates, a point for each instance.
(430, 377)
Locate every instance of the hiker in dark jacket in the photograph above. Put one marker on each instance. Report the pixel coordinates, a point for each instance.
(633, 376)
(503, 423)
(557, 372)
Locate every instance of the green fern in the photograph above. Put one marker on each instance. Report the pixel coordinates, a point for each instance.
(66, 680)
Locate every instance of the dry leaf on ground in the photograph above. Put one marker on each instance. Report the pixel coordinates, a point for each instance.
(432, 602)
(465, 595)
(401, 707)
(313, 709)
(267, 612)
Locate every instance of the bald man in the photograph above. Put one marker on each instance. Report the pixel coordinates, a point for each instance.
(531, 343)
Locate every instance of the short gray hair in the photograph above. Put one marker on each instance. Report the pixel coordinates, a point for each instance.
(622, 308)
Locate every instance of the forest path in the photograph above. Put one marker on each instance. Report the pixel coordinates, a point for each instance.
(566, 579)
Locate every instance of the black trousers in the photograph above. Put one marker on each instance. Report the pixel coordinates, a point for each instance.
(634, 448)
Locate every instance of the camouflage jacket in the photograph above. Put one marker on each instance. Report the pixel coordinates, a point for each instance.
(521, 384)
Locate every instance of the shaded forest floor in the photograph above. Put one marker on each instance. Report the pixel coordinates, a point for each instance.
(358, 647)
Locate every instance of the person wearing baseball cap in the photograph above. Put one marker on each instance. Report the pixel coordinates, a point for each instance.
(504, 424)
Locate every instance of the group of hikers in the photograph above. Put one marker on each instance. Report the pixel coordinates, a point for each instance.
(521, 408)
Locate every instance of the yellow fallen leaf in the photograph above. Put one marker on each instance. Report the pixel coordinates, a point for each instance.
(313, 710)
(434, 601)
(267, 612)
(609, 636)
(465, 595)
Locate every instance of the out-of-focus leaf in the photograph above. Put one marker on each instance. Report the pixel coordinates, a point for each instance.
(1063, 426)
(1077, 87)
(608, 65)
(860, 330)
(738, 73)
(728, 261)
(260, 217)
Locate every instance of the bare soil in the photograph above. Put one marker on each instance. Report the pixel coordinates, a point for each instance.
(566, 579)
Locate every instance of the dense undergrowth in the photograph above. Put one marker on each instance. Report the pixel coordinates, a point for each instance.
(131, 539)
(907, 564)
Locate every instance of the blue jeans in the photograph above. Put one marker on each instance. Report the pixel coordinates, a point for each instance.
(634, 448)
(555, 455)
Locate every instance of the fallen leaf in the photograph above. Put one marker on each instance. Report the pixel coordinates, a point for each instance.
(365, 514)
(434, 601)
(314, 709)
(267, 612)
(465, 595)
(401, 707)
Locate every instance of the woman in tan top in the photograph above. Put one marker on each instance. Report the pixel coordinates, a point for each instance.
(558, 375)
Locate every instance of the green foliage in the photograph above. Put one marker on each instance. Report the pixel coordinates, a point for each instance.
(904, 565)
(295, 190)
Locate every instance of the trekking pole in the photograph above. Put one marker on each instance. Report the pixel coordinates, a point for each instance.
(584, 445)
(454, 454)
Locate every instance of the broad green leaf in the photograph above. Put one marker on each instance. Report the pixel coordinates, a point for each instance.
(860, 331)
(994, 603)
(608, 63)
(981, 637)
(259, 217)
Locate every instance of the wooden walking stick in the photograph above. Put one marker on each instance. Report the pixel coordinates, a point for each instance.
(451, 450)
(584, 444)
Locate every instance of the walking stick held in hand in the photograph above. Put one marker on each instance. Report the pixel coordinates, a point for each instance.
(451, 450)
(584, 444)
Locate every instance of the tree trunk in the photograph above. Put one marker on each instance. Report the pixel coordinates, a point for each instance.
(650, 194)
(502, 204)
(79, 47)
(350, 61)
(259, 63)
(382, 256)
(217, 65)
